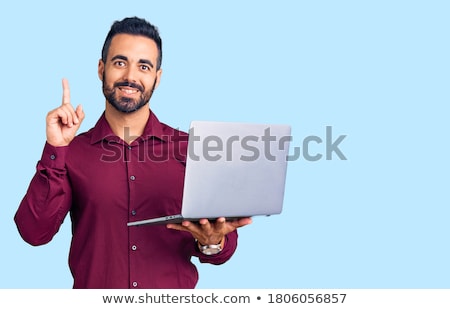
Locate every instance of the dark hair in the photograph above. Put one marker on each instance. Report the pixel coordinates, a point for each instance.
(134, 26)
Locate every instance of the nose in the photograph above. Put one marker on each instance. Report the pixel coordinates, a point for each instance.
(130, 74)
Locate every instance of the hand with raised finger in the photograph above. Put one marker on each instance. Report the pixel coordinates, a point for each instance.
(64, 121)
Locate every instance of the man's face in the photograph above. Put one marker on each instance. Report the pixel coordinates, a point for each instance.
(129, 75)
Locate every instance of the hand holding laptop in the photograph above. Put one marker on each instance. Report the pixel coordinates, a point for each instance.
(234, 171)
(210, 232)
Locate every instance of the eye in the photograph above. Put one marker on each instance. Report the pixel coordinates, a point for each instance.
(145, 67)
(119, 63)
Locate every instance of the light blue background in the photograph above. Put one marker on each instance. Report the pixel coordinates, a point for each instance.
(376, 71)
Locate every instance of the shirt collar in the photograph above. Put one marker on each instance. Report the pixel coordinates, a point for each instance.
(102, 130)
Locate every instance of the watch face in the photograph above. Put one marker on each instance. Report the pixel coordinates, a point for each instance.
(211, 249)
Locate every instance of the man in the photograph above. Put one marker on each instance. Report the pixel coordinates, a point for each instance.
(128, 167)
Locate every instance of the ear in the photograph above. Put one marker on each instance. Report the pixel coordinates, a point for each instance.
(158, 77)
(101, 69)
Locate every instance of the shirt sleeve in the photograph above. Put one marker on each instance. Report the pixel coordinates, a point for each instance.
(47, 200)
(227, 251)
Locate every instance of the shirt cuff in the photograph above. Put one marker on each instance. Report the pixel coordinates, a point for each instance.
(54, 157)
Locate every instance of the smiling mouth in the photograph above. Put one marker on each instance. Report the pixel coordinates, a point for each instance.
(128, 90)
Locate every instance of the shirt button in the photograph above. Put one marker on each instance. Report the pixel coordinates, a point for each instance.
(129, 147)
(52, 157)
(132, 177)
(133, 247)
(134, 284)
(133, 212)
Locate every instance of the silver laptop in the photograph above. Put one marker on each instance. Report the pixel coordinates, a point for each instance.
(233, 170)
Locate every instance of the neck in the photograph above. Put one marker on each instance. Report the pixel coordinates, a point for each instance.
(127, 126)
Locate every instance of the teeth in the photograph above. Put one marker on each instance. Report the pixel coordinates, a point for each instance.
(129, 91)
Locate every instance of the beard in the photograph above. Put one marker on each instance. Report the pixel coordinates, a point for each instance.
(124, 104)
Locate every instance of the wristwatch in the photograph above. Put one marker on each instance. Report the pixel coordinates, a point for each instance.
(210, 249)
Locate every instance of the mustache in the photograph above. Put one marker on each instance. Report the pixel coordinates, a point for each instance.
(129, 84)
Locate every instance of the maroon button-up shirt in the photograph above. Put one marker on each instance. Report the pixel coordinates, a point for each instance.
(105, 183)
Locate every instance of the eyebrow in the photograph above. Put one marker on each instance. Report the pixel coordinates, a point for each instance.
(121, 57)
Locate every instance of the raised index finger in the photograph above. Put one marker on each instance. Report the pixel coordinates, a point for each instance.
(66, 92)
